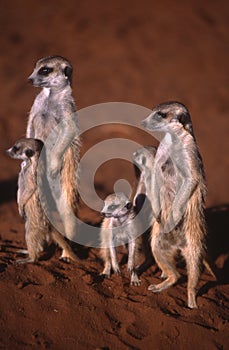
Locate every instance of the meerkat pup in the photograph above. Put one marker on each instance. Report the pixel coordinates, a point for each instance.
(144, 158)
(37, 227)
(178, 193)
(54, 121)
(119, 227)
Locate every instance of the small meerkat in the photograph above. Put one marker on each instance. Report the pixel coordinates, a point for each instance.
(37, 227)
(178, 191)
(119, 227)
(144, 158)
(53, 120)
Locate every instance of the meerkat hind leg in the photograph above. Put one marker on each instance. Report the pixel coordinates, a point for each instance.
(67, 253)
(22, 251)
(134, 281)
(168, 271)
(193, 269)
(114, 261)
(107, 269)
(26, 260)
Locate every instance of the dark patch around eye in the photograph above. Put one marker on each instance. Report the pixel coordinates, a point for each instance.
(113, 207)
(15, 149)
(128, 205)
(29, 153)
(45, 71)
(162, 115)
(143, 160)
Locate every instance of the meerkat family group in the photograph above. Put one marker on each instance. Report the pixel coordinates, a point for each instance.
(172, 178)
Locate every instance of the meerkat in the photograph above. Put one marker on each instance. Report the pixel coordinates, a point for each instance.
(119, 228)
(143, 159)
(37, 227)
(54, 121)
(178, 191)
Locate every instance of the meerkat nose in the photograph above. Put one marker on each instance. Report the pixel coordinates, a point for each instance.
(143, 123)
(30, 78)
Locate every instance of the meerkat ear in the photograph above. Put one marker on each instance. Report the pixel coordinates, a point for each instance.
(29, 153)
(185, 121)
(68, 73)
(182, 118)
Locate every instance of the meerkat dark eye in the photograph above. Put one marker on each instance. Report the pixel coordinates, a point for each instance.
(29, 153)
(112, 207)
(128, 205)
(45, 71)
(162, 115)
(15, 149)
(143, 160)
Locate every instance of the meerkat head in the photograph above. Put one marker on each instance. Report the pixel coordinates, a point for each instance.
(144, 157)
(25, 149)
(52, 72)
(116, 205)
(164, 114)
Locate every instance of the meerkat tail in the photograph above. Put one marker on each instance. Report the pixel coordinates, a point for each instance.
(69, 176)
(211, 268)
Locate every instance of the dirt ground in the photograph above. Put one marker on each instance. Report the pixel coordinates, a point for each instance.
(142, 53)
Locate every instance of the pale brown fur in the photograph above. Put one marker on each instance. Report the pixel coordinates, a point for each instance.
(53, 120)
(177, 198)
(119, 227)
(38, 230)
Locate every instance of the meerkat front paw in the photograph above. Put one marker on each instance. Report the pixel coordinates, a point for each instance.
(21, 210)
(54, 167)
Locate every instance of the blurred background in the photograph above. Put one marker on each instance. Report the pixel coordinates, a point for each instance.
(141, 52)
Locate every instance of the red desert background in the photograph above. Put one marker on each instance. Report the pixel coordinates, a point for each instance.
(139, 52)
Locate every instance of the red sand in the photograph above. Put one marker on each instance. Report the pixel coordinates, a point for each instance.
(133, 52)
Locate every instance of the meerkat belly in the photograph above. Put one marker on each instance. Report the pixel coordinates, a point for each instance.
(44, 126)
(35, 214)
(167, 198)
(174, 240)
(120, 237)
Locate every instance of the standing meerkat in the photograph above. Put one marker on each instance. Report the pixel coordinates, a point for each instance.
(119, 228)
(54, 121)
(37, 227)
(177, 198)
(144, 158)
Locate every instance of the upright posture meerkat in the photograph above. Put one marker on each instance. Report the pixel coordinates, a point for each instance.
(37, 227)
(54, 121)
(144, 158)
(178, 196)
(119, 228)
